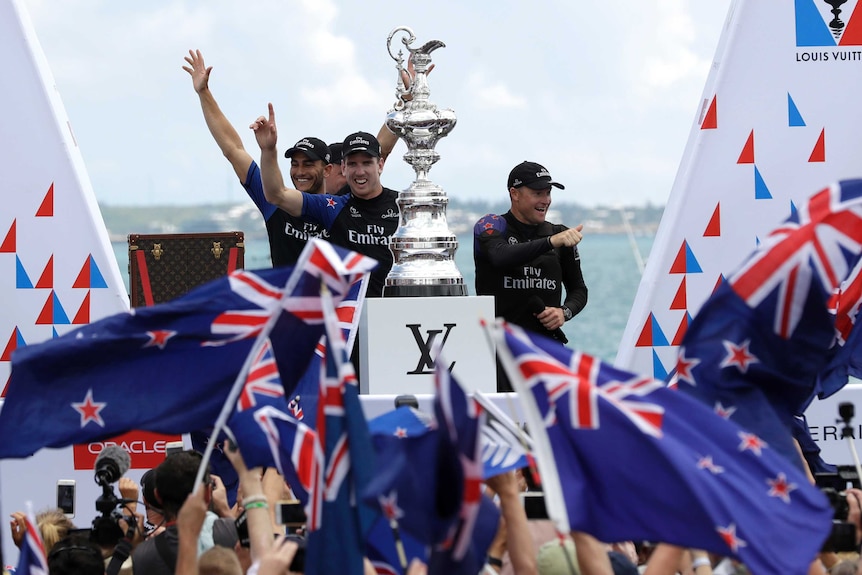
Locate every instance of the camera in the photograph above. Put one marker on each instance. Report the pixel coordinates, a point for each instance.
(833, 486)
(110, 465)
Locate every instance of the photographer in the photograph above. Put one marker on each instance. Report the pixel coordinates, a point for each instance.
(174, 481)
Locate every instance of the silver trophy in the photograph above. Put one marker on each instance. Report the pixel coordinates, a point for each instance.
(423, 247)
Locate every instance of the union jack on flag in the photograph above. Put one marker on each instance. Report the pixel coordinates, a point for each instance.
(342, 433)
(462, 419)
(815, 245)
(582, 381)
(298, 456)
(727, 480)
(262, 379)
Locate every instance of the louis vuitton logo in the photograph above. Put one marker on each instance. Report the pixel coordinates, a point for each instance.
(426, 363)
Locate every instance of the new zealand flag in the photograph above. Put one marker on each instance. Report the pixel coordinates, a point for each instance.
(170, 368)
(623, 457)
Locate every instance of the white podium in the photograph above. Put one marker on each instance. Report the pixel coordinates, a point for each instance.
(397, 338)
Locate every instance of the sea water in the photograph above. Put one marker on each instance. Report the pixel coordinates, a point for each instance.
(610, 270)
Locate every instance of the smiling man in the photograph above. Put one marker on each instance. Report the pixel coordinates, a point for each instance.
(525, 261)
(362, 220)
(309, 168)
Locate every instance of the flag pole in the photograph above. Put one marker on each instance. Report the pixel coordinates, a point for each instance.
(531, 461)
(230, 402)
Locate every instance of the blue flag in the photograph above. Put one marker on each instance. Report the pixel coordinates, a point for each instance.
(754, 350)
(338, 545)
(169, 368)
(625, 458)
(461, 420)
(847, 353)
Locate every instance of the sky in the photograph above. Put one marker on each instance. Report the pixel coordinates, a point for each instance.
(602, 94)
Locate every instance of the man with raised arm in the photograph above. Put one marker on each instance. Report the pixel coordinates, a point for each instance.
(309, 167)
(362, 220)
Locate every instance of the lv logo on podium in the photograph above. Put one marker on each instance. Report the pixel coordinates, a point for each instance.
(426, 362)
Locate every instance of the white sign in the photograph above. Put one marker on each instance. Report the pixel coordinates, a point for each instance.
(397, 339)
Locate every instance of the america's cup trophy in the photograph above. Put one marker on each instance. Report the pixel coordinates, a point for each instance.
(423, 246)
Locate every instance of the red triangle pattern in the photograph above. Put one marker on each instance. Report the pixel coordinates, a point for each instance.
(718, 283)
(6, 387)
(679, 300)
(11, 346)
(83, 279)
(46, 316)
(747, 155)
(678, 266)
(818, 154)
(713, 228)
(46, 209)
(680, 331)
(46, 280)
(853, 32)
(83, 314)
(645, 339)
(9, 243)
(710, 121)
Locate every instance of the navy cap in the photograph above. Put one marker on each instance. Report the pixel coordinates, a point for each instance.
(314, 148)
(533, 176)
(360, 142)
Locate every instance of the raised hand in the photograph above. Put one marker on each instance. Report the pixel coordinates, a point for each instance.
(198, 71)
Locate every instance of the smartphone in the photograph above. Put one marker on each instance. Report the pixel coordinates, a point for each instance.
(241, 524)
(173, 447)
(534, 504)
(290, 513)
(66, 496)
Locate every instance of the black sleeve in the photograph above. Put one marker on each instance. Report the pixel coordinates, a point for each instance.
(573, 279)
(501, 253)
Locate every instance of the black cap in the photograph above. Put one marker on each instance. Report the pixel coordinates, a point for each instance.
(533, 176)
(314, 148)
(360, 142)
(335, 152)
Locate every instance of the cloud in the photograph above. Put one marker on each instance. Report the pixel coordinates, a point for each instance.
(490, 94)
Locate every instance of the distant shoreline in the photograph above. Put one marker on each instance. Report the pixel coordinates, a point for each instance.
(124, 220)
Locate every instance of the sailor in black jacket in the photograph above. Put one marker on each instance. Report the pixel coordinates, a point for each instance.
(525, 261)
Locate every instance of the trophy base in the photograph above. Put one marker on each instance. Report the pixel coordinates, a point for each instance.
(425, 290)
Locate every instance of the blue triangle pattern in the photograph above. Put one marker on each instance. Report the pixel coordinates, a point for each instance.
(22, 280)
(658, 370)
(60, 317)
(794, 118)
(692, 266)
(811, 30)
(761, 192)
(96, 278)
(658, 337)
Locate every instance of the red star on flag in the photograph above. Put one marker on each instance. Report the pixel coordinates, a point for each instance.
(751, 442)
(728, 534)
(90, 409)
(389, 506)
(400, 432)
(780, 487)
(159, 338)
(722, 411)
(330, 203)
(684, 366)
(706, 462)
(738, 355)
